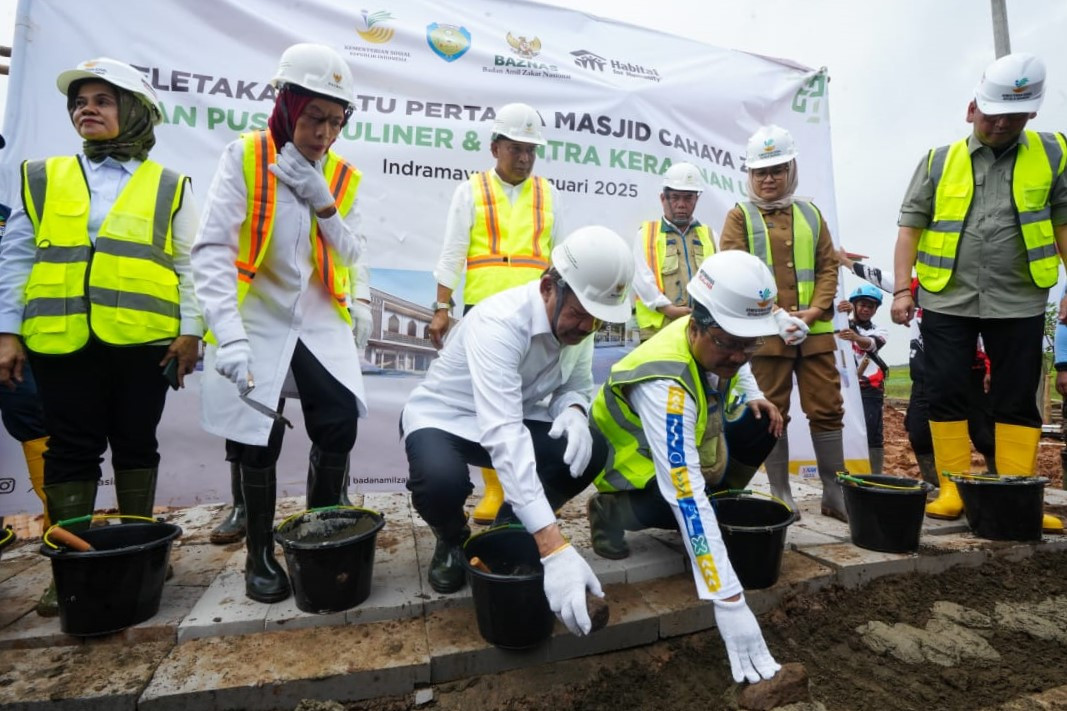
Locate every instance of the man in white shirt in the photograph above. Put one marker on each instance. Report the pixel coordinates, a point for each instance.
(512, 382)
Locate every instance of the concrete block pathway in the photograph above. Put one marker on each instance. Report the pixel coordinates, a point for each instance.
(211, 648)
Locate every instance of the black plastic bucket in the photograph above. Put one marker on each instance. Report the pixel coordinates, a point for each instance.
(330, 556)
(885, 513)
(1007, 508)
(753, 528)
(510, 601)
(117, 584)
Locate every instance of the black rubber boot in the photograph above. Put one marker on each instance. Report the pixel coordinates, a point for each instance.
(609, 514)
(232, 528)
(447, 574)
(135, 490)
(265, 580)
(326, 477)
(67, 500)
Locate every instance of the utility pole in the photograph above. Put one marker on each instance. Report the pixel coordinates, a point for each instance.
(1001, 40)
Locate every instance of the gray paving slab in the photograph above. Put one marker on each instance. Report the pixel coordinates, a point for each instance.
(632, 622)
(457, 649)
(20, 590)
(854, 566)
(197, 564)
(676, 605)
(223, 609)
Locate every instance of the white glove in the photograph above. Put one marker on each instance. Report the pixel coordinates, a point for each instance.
(573, 423)
(361, 323)
(749, 657)
(233, 361)
(791, 329)
(567, 576)
(303, 177)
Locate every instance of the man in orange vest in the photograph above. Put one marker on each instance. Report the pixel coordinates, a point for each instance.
(501, 227)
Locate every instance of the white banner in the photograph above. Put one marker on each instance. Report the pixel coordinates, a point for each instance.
(620, 104)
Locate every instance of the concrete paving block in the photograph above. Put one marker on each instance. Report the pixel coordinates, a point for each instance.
(392, 597)
(197, 522)
(811, 519)
(457, 649)
(20, 591)
(174, 606)
(196, 565)
(278, 669)
(799, 574)
(285, 615)
(797, 537)
(395, 507)
(670, 539)
(223, 609)
(939, 527)
(854, 566)
(633, 622)
(63, 678)
(12, 565)
(674, 600)
(651, 559)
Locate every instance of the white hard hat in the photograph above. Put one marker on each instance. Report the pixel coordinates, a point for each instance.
(1014, 84)
(316, 68)
(117, 74)
(519, 122)
(685, 177)
(598, 266)
(769, 145)
(739, 291)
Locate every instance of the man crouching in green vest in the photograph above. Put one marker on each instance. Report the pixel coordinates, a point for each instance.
(664, 411)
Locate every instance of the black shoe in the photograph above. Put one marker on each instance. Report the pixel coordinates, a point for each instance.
(606, 531)
(265, 579)
(232, 528)
(447, 574)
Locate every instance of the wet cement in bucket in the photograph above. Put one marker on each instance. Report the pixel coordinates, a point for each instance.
(329, 530)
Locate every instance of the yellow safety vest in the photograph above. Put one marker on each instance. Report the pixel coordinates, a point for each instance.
(697, 245)
(664, 356)
(131, 294)
(510, 243)
(1039, 161)
(258, 226)
(807, 224)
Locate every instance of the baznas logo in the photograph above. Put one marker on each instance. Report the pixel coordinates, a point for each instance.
(449, 42)
(375, 32)
(1021, 85)
(527, 49)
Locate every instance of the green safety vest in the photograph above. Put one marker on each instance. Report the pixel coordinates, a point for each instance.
(510, 243)
(664, 356)
(698, 246)
(1039, 161)
(807, 224)
(131, 294)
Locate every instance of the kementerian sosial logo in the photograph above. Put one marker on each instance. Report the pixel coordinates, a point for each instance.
(449, 42)
(372, 27)
(1021, 85)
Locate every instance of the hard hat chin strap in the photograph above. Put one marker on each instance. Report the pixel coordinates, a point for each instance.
(561, 296)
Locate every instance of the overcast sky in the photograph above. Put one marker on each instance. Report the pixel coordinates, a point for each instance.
(901, 73)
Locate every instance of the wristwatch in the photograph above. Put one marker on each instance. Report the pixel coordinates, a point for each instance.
(438, 305)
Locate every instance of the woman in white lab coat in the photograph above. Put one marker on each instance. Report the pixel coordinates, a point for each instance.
(271, 268)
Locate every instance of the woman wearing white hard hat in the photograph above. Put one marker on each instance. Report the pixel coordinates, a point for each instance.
(272, 268)
(96, 283)
(791, 237)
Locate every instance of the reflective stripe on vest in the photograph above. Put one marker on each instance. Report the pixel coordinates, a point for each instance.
(654, 247)
(258, 226)
(509, 242)
(132, 286)
(1038, 163)
(807, 225)
(629, 465)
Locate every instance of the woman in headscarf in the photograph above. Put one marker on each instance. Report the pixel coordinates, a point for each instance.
(271, 265)
(791, 236)
(95, 284)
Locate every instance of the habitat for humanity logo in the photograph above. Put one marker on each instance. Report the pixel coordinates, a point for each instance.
(449, 42)
(527, 64)
(594, 62)
(374, 31)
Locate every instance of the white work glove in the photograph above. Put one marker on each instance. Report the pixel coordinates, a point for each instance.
(303, 177)
(233, 361)
(567, 576)
(749, 657)
(573, 424)
(791, 329)
(361, 323)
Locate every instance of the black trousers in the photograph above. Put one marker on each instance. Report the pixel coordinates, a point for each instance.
(97, 397)
(917, 416)
(1014, 350)
(439, 479)
(747, 443)
(330, 414)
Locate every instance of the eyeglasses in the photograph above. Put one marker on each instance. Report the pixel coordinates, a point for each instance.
(681, 197)
(333, 123)
(748, 347)
(777, 171)
(581, 316)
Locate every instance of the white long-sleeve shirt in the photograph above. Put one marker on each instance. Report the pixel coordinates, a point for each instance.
(451, 264)
(682, 484)
(497, 369)
(106, 180)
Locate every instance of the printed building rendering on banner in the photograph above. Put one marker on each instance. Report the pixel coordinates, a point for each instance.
(616, 102)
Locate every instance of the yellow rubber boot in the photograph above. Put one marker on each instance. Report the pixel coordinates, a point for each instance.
(952, 455)
(33, 450)
(485, 511)
(1016, 455)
